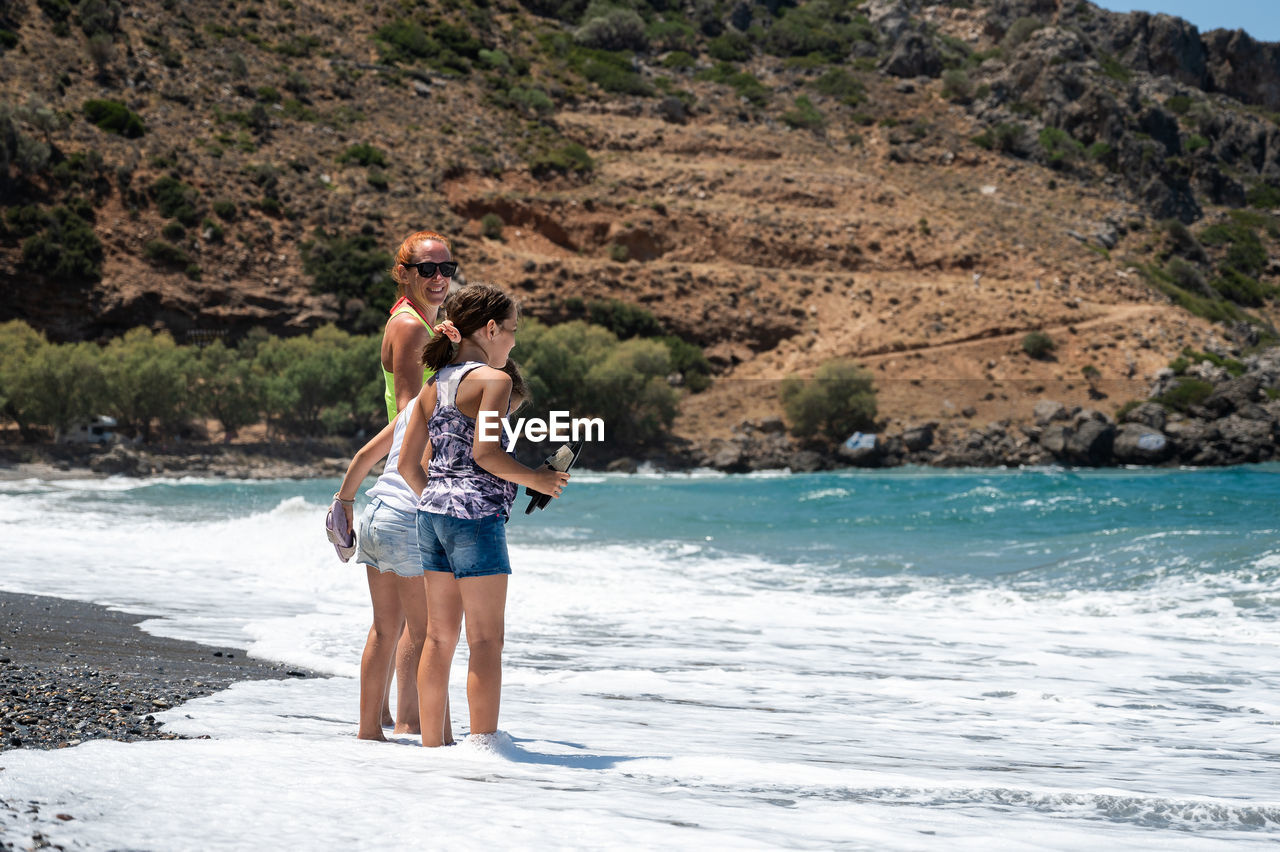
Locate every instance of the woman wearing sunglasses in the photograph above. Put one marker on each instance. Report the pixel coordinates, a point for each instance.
(424, 265)
(388, 527)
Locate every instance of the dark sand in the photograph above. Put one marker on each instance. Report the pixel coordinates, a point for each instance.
(72, 671)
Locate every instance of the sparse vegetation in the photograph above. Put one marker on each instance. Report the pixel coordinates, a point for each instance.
(364, 154)
(839, 400)
(491, 226)
(1038, 345)
(804, 115)
(114, 117)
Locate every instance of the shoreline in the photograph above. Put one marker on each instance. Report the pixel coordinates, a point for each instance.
(72, 671)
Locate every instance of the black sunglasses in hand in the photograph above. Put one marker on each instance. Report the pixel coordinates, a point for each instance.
(427, 269)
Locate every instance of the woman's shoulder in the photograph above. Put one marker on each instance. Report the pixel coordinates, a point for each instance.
(405, 326)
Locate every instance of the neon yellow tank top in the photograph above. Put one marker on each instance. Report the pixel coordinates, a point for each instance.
(388, 377)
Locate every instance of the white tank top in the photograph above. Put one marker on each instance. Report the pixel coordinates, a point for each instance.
(391, 487)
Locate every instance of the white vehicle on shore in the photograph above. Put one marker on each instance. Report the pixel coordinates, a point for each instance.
(100, 430)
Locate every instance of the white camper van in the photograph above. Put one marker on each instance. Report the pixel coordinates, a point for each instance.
(96, 431)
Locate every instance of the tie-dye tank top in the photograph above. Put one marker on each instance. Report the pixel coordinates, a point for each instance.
(456, 485)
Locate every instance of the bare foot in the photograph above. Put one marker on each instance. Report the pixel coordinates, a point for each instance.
(407, 729)
(387, 721)
(376, 736)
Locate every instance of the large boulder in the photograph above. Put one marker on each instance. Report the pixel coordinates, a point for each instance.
(914, 54)
(1090, 443)
(1234, 395)
(1149, 414)
(1047, 411)
(919, 438)
(1136, 443)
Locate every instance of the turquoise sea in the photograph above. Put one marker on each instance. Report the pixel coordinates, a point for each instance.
(906, 659)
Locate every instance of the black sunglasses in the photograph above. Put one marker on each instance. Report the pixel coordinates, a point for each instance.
(427, 269)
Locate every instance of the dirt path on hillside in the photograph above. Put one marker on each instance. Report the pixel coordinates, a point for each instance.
(1121, 313)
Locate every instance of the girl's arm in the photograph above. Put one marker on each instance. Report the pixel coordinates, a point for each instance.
(363, 461)
(415, 447)
(490, 455)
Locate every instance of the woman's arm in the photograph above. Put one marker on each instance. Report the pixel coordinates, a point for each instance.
(407, 337)
(363, 461)
(417, 440)
(494, 397)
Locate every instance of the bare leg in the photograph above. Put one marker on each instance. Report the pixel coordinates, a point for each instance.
(444, 606)
(375, 664)
(484, 599)
(387, 720)
(413, 603)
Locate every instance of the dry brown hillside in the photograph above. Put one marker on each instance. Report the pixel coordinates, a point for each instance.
(885, 234)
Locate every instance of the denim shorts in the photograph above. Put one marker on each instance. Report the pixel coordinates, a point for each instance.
(387, 539)
(463, 547)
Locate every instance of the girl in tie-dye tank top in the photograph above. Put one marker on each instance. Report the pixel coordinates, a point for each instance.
(466, 499)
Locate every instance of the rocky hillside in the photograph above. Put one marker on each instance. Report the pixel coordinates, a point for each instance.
(915, 185)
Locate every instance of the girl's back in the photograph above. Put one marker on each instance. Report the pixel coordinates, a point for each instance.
(456, 484)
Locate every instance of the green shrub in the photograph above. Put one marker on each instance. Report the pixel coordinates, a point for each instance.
(148, 379)
(1037, 344)
(364, 154)
(689, 361)
(1178, 104)
(1263, 195)
(584, 369)
(1244, 250)
(173, 231)
(114, 117)
(1059, 146)
(20, 385)
(230, 391)
(1099, 151)
(804, 116)
(65, 248)
(1019, 31)
(1242, 289)
(623, 319)
(613, 73)
(956, 85)
(307, 382)
(840, 399)
(226, 210)
(678, 59)
(8, 39)
(619, 253)
(377, 179)
(1190, 356)
(607, 27)
(1113, 67)
(1185, 394)
(491, 226)
(816, 28)
(349, 267)
(175, 200)
(1001, 138)
(730, 46)
(570, 158)
(1195, 142)
(166, 253)
(405, 40)
(212, 231)
(533, 101)
(839, 83)
(672, 36)
(745, 84)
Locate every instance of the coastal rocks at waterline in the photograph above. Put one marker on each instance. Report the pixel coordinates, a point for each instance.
(1236, 421)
